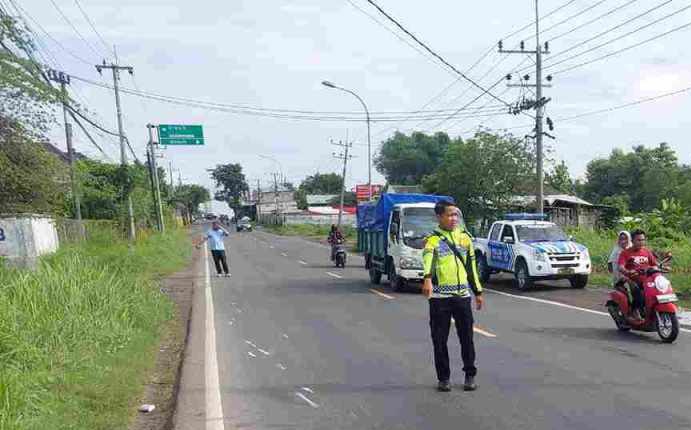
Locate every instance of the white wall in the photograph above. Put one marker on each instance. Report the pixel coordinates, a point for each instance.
(24, 238)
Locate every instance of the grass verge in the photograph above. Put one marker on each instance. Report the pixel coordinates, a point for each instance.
(78, 335)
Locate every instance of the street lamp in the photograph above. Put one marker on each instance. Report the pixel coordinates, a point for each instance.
(369, 143)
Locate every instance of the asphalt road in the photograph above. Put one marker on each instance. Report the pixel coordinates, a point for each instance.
(303, 345)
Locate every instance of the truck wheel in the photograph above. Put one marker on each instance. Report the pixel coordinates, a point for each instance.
(374, 275)
(483, 268)
(579, 281)
(522, 278)
(397, 283)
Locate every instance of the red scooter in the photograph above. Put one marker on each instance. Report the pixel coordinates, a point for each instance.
(660, 310)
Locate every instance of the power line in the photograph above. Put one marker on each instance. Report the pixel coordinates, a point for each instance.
(93, 27)
(619, 51)
(22, 12)
(398, 36)
(437, 56)
(597, 18)
(625, 105)
(77, 32)
(616, 27)
(97, 126)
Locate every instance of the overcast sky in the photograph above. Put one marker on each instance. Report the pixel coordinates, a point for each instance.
(274, 54)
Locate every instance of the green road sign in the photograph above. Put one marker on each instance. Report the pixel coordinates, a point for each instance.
(175, 134)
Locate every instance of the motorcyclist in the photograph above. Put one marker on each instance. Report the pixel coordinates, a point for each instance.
(335, 238)
(631, 260)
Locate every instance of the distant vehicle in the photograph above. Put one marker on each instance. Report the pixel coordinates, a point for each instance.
(391, 233)
(210, 216)
(245, 224)
(532, 249)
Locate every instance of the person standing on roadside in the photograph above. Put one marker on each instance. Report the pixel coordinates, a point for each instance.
(450, 273)
(215, 236)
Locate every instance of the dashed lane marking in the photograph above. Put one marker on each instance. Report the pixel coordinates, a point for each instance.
(333, 275)
(263, 351)
(281, 366)
(304, 263)
(284, 254)
(379, 293)
(307, 389)
(251, 354)
(309, 402)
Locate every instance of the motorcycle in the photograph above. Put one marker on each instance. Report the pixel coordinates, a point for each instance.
(660, 309)
(338, 253)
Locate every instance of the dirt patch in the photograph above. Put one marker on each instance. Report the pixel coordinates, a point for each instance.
(162, 383)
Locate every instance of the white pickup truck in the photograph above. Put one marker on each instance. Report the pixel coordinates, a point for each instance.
(532, 250)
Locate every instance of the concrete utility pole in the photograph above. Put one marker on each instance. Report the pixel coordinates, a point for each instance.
(123, 154)
(345, 157)
(538, 104)
(64, 80)
(154, 177)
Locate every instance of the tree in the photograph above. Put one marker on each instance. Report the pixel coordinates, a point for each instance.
(646, 175)
(405, 160)
(233, 184)
(319, 183)
(484, 173)
(25, 96)
(190, 196)
(560, 180)
(31, 179)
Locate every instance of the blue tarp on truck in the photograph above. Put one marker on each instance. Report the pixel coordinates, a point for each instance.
(375, 216)
(373, 219)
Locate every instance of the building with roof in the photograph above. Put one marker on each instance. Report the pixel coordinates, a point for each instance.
(564, 209)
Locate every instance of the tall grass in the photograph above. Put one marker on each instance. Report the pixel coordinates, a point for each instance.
(76, 335)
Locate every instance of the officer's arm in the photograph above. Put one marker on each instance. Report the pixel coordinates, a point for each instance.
(428, 257)
(471, 269)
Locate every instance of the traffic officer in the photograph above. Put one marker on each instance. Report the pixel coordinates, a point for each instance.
(450, 275)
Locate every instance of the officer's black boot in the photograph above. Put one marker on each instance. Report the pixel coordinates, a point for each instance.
(469, 384)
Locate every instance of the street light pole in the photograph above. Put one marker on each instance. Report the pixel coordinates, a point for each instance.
(369, 142)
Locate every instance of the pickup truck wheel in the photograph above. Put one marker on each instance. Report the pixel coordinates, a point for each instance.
(397, 283)
(483, 268)
(522, 278)
(374, 275)
(579, 281)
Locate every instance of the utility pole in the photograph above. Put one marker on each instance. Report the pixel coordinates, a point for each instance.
(154, 178)
(259, 200)
(64, 80)
(275, 176)
(123, 154)
(345, 157)
(538, 104)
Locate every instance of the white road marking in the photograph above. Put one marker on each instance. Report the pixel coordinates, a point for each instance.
(271, 246)
(309, 402)
(304, 263)
(478, 330)
(250, 343)
(307, 389)
(333, 275)
(251, 354)
(284, 254)
(379, 293)
(230, 322)
(263, 351)
(561, 305)
(214, 407)
(281, 366)
(285, 336)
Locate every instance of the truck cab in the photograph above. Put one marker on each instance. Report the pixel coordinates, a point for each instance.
(532, 249)
(392, 235)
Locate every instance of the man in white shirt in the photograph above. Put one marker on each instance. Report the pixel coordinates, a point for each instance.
(215, 236)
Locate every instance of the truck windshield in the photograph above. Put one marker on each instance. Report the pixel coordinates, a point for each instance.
(416, 225)
(540, 233)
